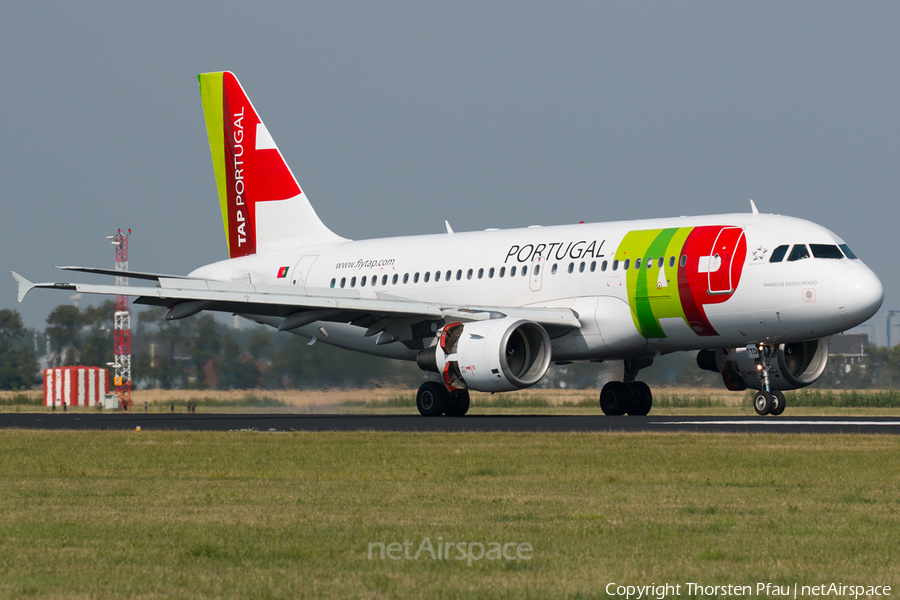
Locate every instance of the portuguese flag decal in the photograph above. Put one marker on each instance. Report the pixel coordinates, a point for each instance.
(282, 272)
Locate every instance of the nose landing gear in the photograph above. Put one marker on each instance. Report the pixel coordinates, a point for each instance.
(766, 401)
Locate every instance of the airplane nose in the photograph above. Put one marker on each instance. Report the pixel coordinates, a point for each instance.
(859, 294)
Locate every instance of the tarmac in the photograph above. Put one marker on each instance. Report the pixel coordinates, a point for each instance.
(415, 423)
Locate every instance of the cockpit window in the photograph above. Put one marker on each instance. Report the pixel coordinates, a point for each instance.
(847, 251)
(826, 251)
(778, 253)
(798, 252)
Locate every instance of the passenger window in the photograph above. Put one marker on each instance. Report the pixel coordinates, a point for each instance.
(437, 275)
(778, 253)
(332, 282)
(469, 274)
(537, 269)
(406, 278)
(847, 251)
(671, 262)
(571, 267)
(603, 266)
(616, 264)
(447, 275)
(581, 268)
(491, 273)
(353, 282)
(363, 282)
(394, 279)
(625, 264)
(683, 261)
(524, 270)
(458, 274)
(480, 273)
(659, 263)
(553, 269)
(427, 276)
(384, 280)
(343, 281)
(798, 252)
(502, 271)
(416, 278)
(825, 251)
(637, 263)
(593, 266)
(512, 271)
(649, 262)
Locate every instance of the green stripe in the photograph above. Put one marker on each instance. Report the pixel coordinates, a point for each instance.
(211, 90)
(648, 303)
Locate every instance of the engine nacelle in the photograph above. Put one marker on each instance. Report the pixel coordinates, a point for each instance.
(497, 355)
(793, 366)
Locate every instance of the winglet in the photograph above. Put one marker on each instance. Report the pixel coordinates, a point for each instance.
(449, 229)
(25, 286)
(753, 207)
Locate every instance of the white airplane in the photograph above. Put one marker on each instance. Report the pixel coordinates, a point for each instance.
(757, 294)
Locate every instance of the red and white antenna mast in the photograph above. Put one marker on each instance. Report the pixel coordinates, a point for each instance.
(122, 325)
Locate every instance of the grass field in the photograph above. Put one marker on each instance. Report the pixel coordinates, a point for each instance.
(666, 401)
(291, 515)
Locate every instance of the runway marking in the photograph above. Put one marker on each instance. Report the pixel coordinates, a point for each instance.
(779, 422)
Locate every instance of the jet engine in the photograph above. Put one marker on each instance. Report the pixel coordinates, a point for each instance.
(496, 355)
(792, 366)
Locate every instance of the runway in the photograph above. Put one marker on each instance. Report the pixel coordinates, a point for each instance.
(415, 423)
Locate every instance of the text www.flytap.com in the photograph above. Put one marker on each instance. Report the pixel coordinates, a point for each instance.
(366, 264)
(467, 551)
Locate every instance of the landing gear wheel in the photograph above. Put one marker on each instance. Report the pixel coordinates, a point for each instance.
(763, 402)
(458, 404)
(778, 403)
(432, 399)
(641, 399)
(615, 398)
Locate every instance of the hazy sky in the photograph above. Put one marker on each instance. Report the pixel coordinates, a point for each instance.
(396, 116)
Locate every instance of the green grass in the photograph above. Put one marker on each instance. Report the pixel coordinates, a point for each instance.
(517, 401)
(844, 399)
(248, 401)
(291, 515)
(22, 400)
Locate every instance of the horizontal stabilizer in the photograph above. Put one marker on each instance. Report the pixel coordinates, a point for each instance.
(130, 274)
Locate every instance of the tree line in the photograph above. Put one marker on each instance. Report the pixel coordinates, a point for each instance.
(201, 352)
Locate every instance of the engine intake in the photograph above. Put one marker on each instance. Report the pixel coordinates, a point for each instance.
(497, 355)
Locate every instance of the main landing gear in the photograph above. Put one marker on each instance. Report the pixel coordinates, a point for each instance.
(628, 397)
(433, 400)
(766, 401)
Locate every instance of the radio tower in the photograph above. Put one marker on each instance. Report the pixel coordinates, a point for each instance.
(123, 324)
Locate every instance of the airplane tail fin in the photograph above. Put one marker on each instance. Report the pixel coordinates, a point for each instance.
(263, 207)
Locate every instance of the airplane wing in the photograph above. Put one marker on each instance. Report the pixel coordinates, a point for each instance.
(296, 306)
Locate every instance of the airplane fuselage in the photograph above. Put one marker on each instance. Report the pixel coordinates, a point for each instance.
(639, 288)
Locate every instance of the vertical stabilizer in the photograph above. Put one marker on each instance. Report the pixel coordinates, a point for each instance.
(263, 207)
